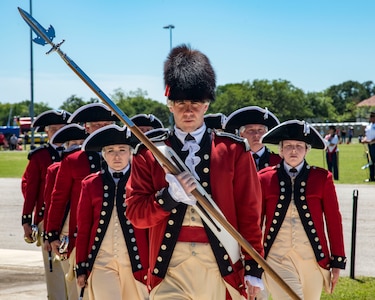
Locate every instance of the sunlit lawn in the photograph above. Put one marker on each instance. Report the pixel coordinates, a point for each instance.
(351, 159)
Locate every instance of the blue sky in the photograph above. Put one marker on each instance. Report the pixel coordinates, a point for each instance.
(122, 44)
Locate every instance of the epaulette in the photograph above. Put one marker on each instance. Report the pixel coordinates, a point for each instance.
(70, 151)
(32, 152)
(268, 169)
(163, 136)
(319, 169)
(95, 174)
(233, 137)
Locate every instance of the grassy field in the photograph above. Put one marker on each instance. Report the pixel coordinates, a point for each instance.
(12, 163)
(351, 159)
(362, 288)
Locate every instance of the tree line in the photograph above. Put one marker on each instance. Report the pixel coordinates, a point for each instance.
(335, 104)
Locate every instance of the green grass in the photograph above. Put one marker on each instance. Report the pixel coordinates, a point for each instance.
(362, 288)
(12, 163)
(351, 159)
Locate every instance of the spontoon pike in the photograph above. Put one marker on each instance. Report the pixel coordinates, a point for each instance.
(46, 37)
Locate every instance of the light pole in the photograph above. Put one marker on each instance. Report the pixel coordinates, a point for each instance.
(170, 27)
(31, 109)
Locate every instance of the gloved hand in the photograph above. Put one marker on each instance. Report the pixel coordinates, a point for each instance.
(253, 286)
(180, 187)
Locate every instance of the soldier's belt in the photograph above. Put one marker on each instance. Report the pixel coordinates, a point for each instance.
(193, 235)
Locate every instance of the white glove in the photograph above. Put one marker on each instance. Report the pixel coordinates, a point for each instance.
(178, 193)
(255, 281)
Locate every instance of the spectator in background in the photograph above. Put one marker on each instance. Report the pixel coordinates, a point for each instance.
(13, 142)
(332, 154)
(2, 139)
(26, 140)
(350, 134)
(369, 139)
(343, 135)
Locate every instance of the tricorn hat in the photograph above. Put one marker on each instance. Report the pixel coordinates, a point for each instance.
(250, 115)
(50, 117)
(69, 132)
(93, 112)
(109, 135)
(215, 121)
(147, 120)
(188, 75)
(294, 130)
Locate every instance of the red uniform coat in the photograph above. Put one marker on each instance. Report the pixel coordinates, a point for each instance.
(50, 183)
(74, 168)
(234, 187)
(94, 213)
(267, 159)
(317, 205)
(33, 182)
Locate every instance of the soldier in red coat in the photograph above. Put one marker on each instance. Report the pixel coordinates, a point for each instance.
(299, 206)
(186, 258)
(33, 184)
(73, 169)
(252, 122)
(112, 255)
(72, 136)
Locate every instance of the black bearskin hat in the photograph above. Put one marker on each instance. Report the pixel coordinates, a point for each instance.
(188, 75)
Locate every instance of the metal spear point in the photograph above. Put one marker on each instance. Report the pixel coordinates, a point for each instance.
(43, 36)
(47, 36)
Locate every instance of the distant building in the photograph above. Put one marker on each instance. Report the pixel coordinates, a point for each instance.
(358, 127)
(23, 122)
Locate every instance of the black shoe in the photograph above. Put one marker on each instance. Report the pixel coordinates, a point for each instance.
(369, 180)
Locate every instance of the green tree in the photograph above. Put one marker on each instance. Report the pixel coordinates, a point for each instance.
(231, 97)
(136, 102)
(282, 98)
(279, 96)
(321, 106)
(21, 109)
(346, 95)
(73, 103)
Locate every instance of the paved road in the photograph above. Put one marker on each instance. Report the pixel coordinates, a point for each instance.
(21, 271)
